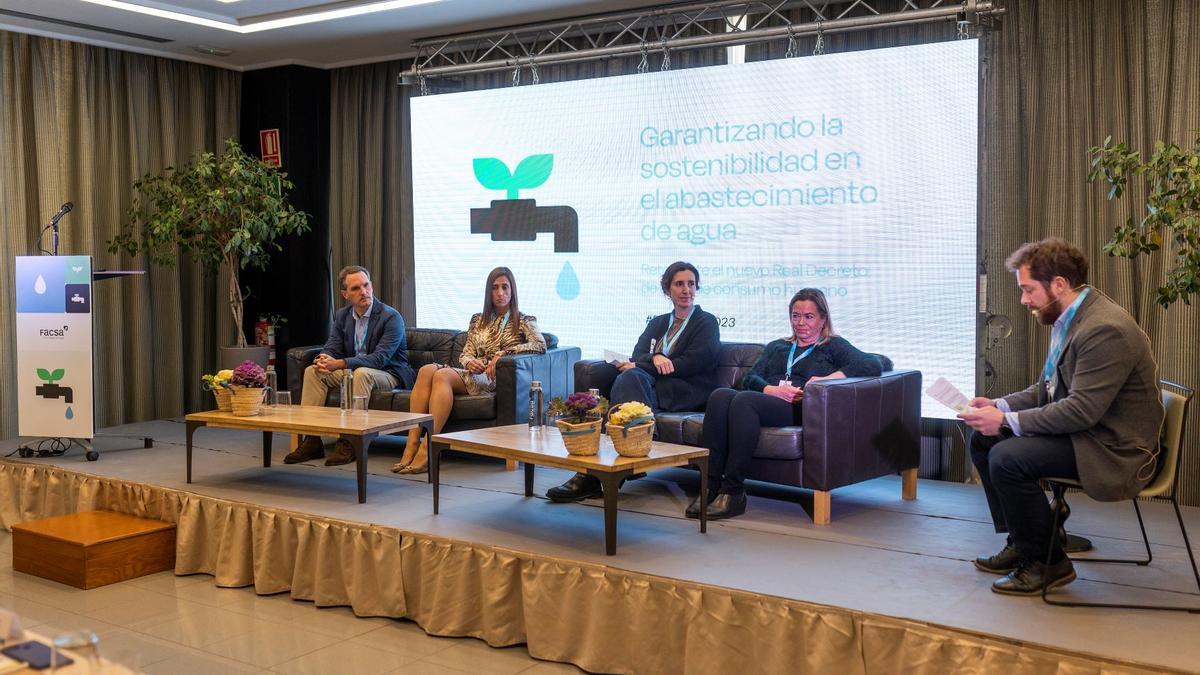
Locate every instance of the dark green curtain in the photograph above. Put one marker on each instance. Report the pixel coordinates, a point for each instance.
(80, 123)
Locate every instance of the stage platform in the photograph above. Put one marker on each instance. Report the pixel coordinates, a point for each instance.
(887, 587)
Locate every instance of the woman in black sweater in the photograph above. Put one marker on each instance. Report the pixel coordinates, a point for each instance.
(771, 397)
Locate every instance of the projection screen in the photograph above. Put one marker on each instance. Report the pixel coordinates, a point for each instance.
(853, 173)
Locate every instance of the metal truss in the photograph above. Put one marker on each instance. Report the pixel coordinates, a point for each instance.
(665, 28)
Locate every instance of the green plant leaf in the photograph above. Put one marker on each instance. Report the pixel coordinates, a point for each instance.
(533, 171)
(492, 173)
(1170, 183)
(44, 374)
(224, 211)
(57, 374)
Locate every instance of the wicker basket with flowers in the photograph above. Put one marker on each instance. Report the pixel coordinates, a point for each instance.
(579, 421)
(631, 426)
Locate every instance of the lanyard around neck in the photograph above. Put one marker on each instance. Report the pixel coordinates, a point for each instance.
(360, 343)
(668, 338)
(793, 359)
(1058, 340)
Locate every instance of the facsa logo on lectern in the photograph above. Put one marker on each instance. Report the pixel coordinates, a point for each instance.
(53, 333)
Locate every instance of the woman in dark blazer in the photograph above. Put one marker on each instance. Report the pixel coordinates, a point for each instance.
(673, 367)
(771, 397)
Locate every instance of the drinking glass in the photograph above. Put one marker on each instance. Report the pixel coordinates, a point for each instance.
(358, 403)
(79, 642)
(283, 398)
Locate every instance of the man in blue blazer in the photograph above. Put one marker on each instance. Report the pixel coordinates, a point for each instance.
(367, 338)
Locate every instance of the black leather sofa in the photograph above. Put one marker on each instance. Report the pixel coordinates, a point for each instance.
(854, 429)
(508, 405)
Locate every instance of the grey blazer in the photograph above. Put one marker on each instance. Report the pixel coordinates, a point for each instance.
(1108, 401)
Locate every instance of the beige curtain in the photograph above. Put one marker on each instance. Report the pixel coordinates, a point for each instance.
(80, 123)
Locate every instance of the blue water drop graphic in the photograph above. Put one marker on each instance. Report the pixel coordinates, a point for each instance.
(568, 283)
(70, 413)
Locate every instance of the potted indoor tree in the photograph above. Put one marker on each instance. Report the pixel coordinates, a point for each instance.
(1169, 183)
(227, 212)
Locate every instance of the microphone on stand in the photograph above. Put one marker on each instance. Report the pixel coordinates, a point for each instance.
(66, 208)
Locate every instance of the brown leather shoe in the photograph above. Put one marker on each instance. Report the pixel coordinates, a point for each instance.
(310, 448)
(343, 453)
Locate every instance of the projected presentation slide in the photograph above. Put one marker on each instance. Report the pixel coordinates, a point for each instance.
(853, 173)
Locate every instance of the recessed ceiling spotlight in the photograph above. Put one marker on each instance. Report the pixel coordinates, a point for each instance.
(211, 51)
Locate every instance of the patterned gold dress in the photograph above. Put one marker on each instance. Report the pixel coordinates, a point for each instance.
(487, 339)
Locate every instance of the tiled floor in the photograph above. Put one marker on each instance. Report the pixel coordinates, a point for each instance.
(179, 625)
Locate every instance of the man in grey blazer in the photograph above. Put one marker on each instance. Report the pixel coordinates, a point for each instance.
(368, 338)
(1095, 414)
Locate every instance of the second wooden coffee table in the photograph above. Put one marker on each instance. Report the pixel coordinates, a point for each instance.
(358, 428)
(545, 448)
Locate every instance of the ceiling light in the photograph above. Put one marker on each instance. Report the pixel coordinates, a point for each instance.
(213, 51)
(264, 22)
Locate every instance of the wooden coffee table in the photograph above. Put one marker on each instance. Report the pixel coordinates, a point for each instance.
(545, 448)
(358, 428)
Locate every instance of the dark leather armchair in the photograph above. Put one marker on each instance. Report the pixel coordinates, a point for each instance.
(854, 429)
(509, 404)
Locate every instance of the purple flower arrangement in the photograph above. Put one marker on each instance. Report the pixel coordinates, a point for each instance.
(579, 407)
(249, 374)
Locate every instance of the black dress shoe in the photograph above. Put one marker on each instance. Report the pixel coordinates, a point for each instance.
(1002, 563)
(1028, 578)
(580, 486)
(693, 509)
(727, 505)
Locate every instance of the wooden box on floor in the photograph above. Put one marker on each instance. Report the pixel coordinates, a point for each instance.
(93, 548)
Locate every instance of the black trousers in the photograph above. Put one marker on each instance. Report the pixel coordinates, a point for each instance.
(732, 422)
(1010, 468)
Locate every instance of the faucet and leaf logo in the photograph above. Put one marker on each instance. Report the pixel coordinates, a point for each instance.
(52, 390)
(51, 376)
(493, 173)
(515, 219)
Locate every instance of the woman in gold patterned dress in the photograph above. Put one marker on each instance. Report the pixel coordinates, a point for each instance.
(491, 336)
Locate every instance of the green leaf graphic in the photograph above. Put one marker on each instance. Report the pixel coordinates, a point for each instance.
(43, 374)
(492, 174)
(532, 171)
(57, 374)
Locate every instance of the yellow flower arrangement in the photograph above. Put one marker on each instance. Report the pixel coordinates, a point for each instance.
(633, 413)
(221, 379)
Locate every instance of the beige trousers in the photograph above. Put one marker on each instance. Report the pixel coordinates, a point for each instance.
(366, 380)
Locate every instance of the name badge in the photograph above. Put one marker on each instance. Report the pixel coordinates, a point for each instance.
(785, 383)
